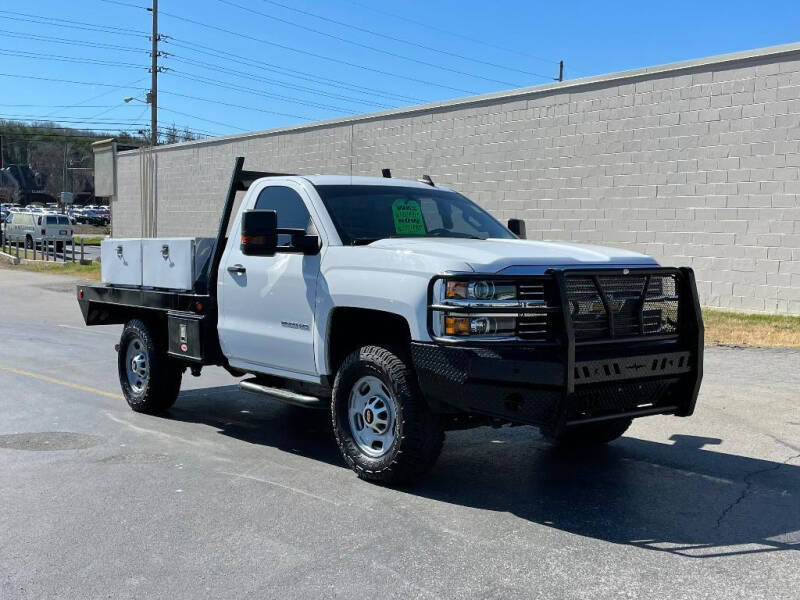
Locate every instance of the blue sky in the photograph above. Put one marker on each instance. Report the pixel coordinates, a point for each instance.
(291, 61)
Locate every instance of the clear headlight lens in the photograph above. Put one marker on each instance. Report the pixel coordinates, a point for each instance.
(475, 294)
(479, 326)
(480, 290)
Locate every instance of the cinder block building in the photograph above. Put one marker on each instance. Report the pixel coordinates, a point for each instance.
(696, 163)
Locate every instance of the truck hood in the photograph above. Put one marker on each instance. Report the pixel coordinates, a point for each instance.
(515, 256)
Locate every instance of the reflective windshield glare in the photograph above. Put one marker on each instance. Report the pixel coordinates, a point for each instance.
(366, 213)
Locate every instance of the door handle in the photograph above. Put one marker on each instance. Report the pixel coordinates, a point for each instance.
(238, 269)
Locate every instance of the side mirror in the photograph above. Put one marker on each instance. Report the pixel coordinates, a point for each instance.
(259, 233)
(517, 227)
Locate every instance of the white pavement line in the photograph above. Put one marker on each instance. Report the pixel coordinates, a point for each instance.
(85, 329)
(162, 434)
(281, 485)
(69, 384)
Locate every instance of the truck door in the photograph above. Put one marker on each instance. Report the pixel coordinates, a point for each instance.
(266, 303)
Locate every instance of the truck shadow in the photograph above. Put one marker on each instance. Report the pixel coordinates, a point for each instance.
(255, 420)
(684, 497)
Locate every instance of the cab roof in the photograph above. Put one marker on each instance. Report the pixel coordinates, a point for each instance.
(361, 180)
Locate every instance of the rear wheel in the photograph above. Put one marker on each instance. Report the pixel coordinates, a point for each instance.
(593, 434)
(149, 378)
(28, 242)
(383, 425)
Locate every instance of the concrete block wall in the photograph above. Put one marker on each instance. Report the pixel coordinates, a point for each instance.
(695, 163)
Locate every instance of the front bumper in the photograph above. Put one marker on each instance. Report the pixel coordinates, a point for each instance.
(567, 382)
(528, 386)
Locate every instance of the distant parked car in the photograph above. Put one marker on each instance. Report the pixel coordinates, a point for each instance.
(95, 217)
(32, 228)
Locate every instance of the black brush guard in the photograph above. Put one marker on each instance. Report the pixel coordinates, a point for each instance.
(623, 368)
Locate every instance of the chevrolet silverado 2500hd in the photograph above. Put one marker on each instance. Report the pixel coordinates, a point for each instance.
(406, 310)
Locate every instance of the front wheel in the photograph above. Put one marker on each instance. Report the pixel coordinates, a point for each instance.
(383, 425)
(149, 378)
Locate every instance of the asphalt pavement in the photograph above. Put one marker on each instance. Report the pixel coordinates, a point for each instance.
(235, 496)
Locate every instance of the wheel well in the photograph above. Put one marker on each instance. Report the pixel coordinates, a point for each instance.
(352, 328)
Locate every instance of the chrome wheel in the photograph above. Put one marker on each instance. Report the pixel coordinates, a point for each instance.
(137, 366)
(372, 416)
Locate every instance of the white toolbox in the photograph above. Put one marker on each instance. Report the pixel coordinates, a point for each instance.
(121, 261)
(174, 263)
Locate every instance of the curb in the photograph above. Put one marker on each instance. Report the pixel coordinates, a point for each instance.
(9, 258)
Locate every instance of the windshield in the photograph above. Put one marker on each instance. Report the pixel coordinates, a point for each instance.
(366, 213)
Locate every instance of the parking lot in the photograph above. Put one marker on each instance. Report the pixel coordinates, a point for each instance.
(231, 495)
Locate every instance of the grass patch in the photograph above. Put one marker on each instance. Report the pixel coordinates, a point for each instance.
(88, 240)
(741, 329)
(91, 271)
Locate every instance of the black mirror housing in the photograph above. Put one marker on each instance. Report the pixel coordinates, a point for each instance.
(259, 233)
(517, 227)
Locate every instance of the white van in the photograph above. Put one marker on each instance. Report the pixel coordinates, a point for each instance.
(32, 228)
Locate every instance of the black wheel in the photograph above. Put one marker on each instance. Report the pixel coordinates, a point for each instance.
(59, 246)
(593, 434)
(150, 379)
(28, 242)
(383, 426)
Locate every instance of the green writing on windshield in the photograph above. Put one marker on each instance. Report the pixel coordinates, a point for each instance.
(408, 217)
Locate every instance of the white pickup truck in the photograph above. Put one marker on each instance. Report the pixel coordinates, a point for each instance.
(406, 310)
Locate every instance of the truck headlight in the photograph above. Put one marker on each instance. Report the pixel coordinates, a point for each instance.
(475, 308)
(479, 326)
(480, 290)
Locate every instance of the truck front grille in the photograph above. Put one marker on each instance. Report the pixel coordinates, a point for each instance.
(534, 327)
(621, 306)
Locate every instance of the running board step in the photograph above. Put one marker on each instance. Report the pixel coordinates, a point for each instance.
(251, 385)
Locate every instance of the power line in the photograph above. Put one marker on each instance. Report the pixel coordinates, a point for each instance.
(96, 133)
(53, 79)
(45, 118)
(372, 48)
(125, 4)
(395, 39)
(100, 95)
(70, 59)
(276, 82)
(247, 90)
(69, 24)
(60, 105)
(69, 42)
(183, 114)
(223, 103)
(302, 75)
(451, 32)
(49, 127)
(241, 35)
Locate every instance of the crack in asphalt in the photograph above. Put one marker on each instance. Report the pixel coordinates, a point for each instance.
(749, 484)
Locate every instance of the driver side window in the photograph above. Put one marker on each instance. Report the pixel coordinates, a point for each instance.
(288, 205)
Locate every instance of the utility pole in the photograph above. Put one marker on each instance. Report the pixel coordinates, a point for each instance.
(561, 70)
(153, 100)
(65, 175)
(2, 164)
